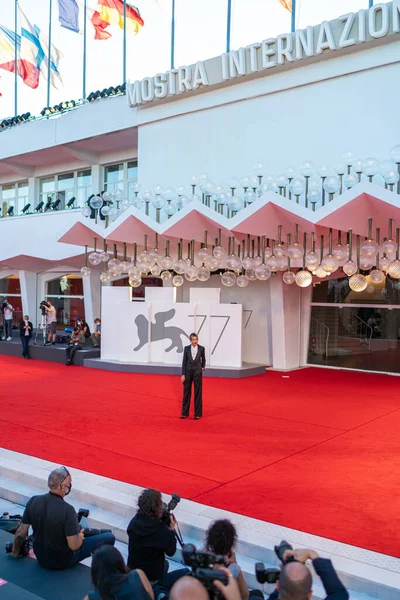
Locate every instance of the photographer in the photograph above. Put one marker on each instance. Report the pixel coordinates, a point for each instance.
(7, 311)
(295, 582)
(58, 539)
(51, 322)
(83, 327)
(150, 540)
(189, 588)
(112, 579)
(76, 343)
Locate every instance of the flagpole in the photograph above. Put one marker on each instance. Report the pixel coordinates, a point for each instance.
(228, 26)
(49, 55)
(124, 48)
(84, 51)
(173, 35)
(293, 15)
(16, 61)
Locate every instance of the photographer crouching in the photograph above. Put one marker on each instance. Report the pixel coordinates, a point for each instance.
(294, 580)
(58, 539)
(151, 535)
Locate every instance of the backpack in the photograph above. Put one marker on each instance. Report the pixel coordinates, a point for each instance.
(11, 523)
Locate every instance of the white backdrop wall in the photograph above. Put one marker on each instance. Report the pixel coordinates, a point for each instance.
(256, 343)
(314, 112)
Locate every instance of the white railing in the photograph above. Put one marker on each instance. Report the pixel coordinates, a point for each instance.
(320, 337)
(363, 331)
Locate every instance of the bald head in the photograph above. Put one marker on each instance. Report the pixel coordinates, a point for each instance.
(188, 588)
(295, 582)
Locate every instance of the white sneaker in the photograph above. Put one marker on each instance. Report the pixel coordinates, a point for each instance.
(9, 339)
(3, 338)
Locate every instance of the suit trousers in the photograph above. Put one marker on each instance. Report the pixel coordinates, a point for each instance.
(193, 377)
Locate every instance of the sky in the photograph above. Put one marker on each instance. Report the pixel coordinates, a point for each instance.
(200, 33)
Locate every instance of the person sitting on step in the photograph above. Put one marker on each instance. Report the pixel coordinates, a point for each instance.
(96, 335)
(76, 343)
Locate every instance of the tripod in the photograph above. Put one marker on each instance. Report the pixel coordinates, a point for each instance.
(41, 329)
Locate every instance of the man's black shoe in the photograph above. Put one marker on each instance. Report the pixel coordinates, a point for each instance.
(183, 417)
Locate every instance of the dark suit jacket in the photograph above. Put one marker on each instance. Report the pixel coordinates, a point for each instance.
(22, 328)
(188, 363)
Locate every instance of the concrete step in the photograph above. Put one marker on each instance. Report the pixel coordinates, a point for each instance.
(113, 503)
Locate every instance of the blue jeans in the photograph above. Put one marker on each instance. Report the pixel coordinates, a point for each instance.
(91, 544)
(164, 585)
(8, 328)
(25, 343)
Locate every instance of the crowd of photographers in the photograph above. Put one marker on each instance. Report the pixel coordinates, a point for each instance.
(60, 540)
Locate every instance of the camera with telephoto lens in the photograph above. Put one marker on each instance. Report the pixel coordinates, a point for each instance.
(264, 575)
(89, 531)
(42, 307)
(3, 304)
(202, 564)
(24, 549)
(168, 508)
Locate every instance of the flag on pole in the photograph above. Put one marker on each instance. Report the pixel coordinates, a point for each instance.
(286, 4)
(68, 14)
(26, 69)
(36, 50)
(112, 12)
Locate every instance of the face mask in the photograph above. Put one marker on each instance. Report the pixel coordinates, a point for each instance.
(69, 487)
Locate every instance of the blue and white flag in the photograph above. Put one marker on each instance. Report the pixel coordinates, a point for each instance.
(69, 14)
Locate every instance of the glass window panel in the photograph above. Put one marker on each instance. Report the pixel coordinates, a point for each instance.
(84, 178)
(47, 185)
(200, 30)
(338, 291)
(139, 292)
(312, 12)
(254, 21)
(65, 182)
(114, 173)
(67, 285)
(23, 189)
(366, 338)
(132, 170)
(10, 285)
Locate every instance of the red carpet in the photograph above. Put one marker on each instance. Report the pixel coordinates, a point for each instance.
(318, 451)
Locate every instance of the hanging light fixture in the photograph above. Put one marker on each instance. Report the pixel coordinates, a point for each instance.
(219, 251)
(114, 263)
(85, 271)
(394, 267)
(288, 277)
(180, 264)
(262, 272)
(389, 245)
(339, 251)
(104, 256)
(329, 263)
(295, 251)
(95, 257)
(319, 270)
(233, 261)
(192, 271)
(369, 247)
(350, 267)
(312, 258)
(134, 273)
(304, 278)
(358, 282)
(377, 276)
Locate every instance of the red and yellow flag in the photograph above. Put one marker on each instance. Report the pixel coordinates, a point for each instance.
(286, 4)
(111, 12)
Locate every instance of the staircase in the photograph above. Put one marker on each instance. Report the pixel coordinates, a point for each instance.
(112, 504)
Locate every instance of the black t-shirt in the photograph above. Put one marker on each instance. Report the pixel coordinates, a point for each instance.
(131, 588)
(52, 520)
(149, 541)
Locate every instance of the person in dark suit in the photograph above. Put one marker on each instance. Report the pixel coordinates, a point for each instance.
(25, 332)
(193, 365)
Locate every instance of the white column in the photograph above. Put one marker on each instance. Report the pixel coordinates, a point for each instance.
(33, 195)
(97, 179)
(27, 281)
(91, 293)
(288, 324)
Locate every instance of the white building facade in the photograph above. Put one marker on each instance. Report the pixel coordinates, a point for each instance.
(310, 96)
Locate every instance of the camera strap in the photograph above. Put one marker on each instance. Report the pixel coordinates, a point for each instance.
(178, 535)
